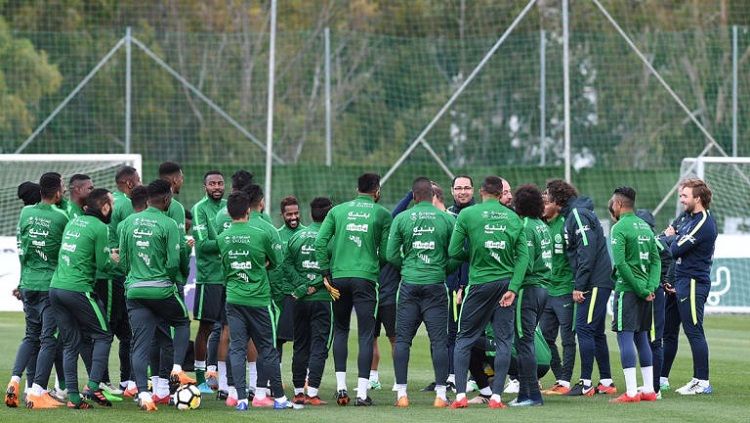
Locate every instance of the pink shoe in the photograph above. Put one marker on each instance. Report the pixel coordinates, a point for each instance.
(231, 402)
(266, 402)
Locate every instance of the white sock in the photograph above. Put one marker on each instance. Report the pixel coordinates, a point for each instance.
(486, 391)
(176, 368)
(144, 396)
(400, 390)
(211, 368)
(703, 383)
(440, 392)
(586, 382)
(162, 388)
(663, 380)
(362, 385)
(451, 379)
(496, 397)
(312, 392)
(16, 379)
(131, 384)
(280, 400)
(36, 389)
(606, 382)
(374, 375)
(223, 376)
(648, 379)
(260, 394)
(340, 381)
(252, 374)
(232, 392)
(564, 383)
(199, 365)
(298, 391)
(460, 396)
(154, 383)
(631, 381)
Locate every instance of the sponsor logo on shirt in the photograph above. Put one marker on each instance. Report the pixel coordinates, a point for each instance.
(355, 239)
(491, 229)
(71, 248)
(421, 245)
(241, 265)
(143, 244)
(558, 239)
(354, 227)
(307, 249)
(145, 257)
(310, 264)
(643, 256)
(36, 243)
(420, 230)
(424, 258)
(355, 215)
(494, 244)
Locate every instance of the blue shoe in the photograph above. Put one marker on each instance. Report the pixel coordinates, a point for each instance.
(283, 405)
(526, 403)
(242, 406)
(205, 389)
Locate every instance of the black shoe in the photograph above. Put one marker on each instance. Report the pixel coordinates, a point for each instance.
(580, 389)
(250, 395)
(342, 397)
(98, 397)
(367, 402)
(223, 395)
(450, 386)
(429, 388)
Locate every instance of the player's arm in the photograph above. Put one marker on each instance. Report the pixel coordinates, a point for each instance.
(700, 233)
(291, 274)
(521, 265)
(122, 245)
(22, 241)
(403, 204)
(383, 236)
(327, 231)
(104, 262)
(204, 242)
(395, 241)
(456, 249)
(270, 248)
(654, 275)
(582, 248)
(174, 251)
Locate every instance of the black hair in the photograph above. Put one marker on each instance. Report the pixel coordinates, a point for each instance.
(159, 189)
(78, 177)
(125, 173)
(30, 193)
(238, 204)
(626, 195)
(139, 197)
(97, 198)
(493, 185)
(168, 169)
(455, 178)
(368, 183)
(288, 201)
(50, 184)
(319, 208)
(560, 192)
(255, 193)
(240, 179)
(422, 189)
(212, 172)
(528, 201)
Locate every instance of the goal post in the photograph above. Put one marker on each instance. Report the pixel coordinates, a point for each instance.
(729, 180)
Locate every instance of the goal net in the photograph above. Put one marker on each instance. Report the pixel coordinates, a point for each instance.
(729, 180)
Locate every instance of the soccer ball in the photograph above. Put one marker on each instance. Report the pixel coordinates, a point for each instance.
(187, 397)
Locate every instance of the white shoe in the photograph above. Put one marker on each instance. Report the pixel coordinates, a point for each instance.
(471, 386)
(695, 387)
(60, 394)
(395, 387)
(110, 388)
(512, 387)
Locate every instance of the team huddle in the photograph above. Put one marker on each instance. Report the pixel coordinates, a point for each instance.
(496, 283)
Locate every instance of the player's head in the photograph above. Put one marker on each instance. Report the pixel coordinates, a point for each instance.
(528, 201)
(127, 178)
(551, 209)
(238, 205)
(99, 204)
(560, 192)
(172, 173)
(462, 188)
(622, 201)
(139, 198)
(422, 189)
(369, 183)
(213, 183)
(319, 208)
(30, 193)
(647, 217)
(51, 187)
(240, 179)
(80, 186)
(438, 196)
(255, 193)
(497, 188)
(290, 211)
(695, 195)
(160, 194)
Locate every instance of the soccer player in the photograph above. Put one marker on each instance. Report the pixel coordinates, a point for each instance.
(40, 231)
(150, 245)
(359, 230)
(693, 251)
(498, 258)
(80, 186)
(592, 268)
(532, 295)
(558, 313)
(637, 268)
(210, 295)
(418, 244)
(313, 312)
(247, 248)
(78, 312)
(110, 288)
(283, 287)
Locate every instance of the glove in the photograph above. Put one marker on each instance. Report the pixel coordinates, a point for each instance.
(335, 294)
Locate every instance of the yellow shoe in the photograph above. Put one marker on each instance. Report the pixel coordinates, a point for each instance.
(402, 402)
(441, 403)
(11, 394)
(40, 402)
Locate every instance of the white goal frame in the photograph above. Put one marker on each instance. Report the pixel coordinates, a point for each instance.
(36, 158)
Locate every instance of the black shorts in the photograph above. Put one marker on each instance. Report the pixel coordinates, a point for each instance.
(209, 303)
(285, 319)
(632, 313)
(386, 318)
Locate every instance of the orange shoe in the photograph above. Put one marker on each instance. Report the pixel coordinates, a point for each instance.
(11, 394)
(556, 389)
(402, 402)
(648, 396)
(314, 401)
(462, 403)
(181, 378)
(441, 403)
(624, 398)
(146, 405)
(496, 404)
(130, 393)
(607, 390)
(160, 400)
(40, 402)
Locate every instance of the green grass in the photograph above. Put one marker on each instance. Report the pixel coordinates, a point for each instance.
(727, 335)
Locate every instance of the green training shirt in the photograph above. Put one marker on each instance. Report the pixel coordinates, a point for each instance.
(418, 244)
(245, 248)
(285, 285)
(39, 235)
(150, 252)
(637, 265)
(561, 276)
(497, 243)
(539, 243)
(73, 210)
(359, 230)
(83, 252)
(301, 266)
(223, 221)
(207, 258)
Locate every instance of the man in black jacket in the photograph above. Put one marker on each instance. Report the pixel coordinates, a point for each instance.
(592, 269)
